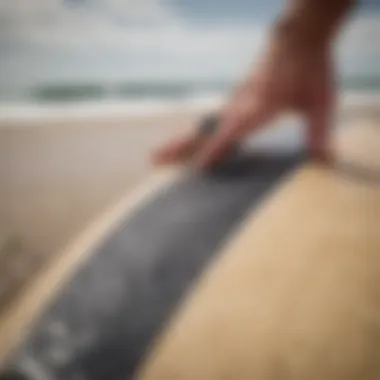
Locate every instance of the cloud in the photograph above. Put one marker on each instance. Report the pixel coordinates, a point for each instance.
(361, 34)
(47, 39)
(144, 25)
(80, 22)
(148, 30)
(359, 48)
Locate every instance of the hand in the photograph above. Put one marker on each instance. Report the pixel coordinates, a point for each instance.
(291, 77)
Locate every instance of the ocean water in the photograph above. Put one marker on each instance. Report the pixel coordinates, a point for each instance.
(142, 97)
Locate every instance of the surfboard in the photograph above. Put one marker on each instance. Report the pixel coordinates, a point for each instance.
(112, 304)
(295, 294)
(94, 312)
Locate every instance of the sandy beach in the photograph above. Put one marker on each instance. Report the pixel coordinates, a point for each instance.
(59, 175)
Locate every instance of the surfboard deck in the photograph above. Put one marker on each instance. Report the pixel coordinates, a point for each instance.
(296, 293)
(94, 312)
(110, 300)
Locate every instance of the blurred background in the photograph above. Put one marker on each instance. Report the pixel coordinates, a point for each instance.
(88, 87)
(151, 52)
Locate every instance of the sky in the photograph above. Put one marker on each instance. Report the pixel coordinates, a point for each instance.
(110, 40)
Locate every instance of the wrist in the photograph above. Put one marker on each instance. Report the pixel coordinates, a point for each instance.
(297, 32)
(311, 23)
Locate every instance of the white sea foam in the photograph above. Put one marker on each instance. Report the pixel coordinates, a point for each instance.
(29, 111)
(148, 107)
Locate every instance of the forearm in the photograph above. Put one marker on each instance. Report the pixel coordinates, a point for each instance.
(312, 21)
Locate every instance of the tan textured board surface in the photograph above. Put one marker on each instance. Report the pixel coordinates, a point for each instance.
(296, 295)
(22, 311)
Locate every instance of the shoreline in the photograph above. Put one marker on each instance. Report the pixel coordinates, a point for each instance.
(21, 115)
